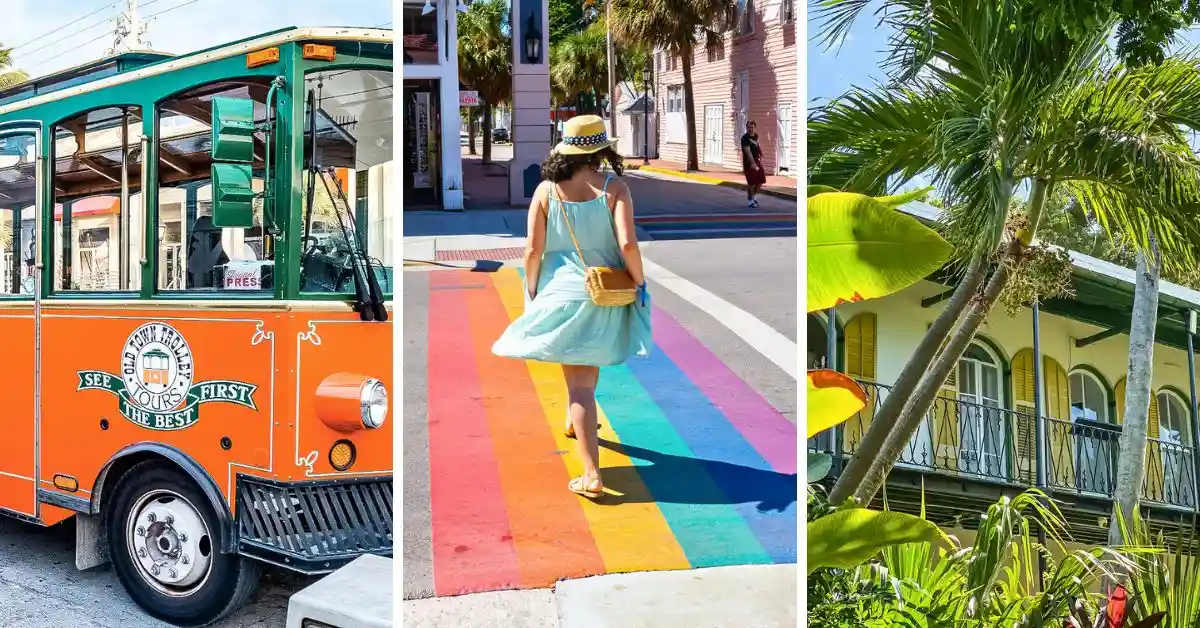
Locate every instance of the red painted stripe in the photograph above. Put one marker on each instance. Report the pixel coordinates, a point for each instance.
(551, 533)
(472, 545)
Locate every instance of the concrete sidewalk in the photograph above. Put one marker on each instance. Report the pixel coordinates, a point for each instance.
(458, 238)
(777, 185)
(752, 596)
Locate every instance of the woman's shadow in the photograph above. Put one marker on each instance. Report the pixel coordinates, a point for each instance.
(684, 480)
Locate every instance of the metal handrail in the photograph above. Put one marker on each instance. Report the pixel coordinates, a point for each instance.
(998, 445)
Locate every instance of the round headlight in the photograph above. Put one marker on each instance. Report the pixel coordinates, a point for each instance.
(374, 400)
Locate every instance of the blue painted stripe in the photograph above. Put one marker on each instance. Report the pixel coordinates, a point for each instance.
(711, 532)
(763, 497)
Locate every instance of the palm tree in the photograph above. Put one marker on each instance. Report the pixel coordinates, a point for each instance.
(675, 26)
(1131, 459)
(485, 58)
(579, 63)
(9, 76)
(986, 104)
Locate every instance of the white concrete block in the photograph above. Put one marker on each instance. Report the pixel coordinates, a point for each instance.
(539, 82)
(536, 116)
(499, 609)
(753, 596)
(358, 595)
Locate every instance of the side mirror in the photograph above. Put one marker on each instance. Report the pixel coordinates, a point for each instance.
(232, 182)
(232, 196)
(233, 129)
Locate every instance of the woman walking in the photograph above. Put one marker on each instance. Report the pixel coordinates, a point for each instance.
(581, 219)
(752, 164)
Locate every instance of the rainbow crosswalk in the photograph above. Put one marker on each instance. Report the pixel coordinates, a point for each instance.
(704, 466)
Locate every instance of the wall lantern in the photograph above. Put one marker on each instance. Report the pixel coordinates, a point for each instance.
(533, 42)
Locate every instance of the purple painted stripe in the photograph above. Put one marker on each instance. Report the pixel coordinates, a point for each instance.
(764, 427)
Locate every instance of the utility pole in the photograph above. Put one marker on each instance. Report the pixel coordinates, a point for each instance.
(612, 72)
(129, 31)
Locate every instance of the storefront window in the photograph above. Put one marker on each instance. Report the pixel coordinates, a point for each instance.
(420, 31)
(353, 208)
(422, 143)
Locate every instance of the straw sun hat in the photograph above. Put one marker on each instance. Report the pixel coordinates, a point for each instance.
(584, 135)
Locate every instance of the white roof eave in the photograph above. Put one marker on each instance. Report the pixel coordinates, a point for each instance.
(1083, 264)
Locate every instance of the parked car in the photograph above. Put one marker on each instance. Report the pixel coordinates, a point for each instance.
(464, 138)
(500, 135)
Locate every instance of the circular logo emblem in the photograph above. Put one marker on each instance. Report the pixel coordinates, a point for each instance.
(156, 365)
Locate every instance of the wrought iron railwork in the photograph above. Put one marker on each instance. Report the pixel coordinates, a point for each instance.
(955, 437)
(998, 445)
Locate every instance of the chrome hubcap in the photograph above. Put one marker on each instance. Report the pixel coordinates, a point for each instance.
(169, 542)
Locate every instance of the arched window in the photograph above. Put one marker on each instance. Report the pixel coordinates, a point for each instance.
(1173, 418)
(1089, 398)
(979, 376)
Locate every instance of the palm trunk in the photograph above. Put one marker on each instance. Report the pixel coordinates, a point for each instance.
(689, 108)
(885, 418)
(471, 130)
(487, 132)
(923, 397)
(1131, 461)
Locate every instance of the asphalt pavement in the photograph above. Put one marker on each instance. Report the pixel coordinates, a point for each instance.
(40, 587)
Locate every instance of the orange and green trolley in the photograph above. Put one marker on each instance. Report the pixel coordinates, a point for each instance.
(196, 271)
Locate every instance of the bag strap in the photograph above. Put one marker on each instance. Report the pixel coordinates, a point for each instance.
(563, 206)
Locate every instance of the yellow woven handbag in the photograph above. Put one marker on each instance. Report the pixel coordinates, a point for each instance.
(609, 287)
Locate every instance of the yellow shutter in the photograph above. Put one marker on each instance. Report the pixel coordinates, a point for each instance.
(859, 335)
(1058, 412)
(1152, 420)
(1119, 393)
(1024, 423)
(944, 416)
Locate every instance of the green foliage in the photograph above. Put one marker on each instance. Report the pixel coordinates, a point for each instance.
(485, 50)
(990, 99)
(1066, 223)
(859, 248)
(1043, 271)
(1143, 29)
(579, 62)
(853, 536)
(992, 582)
(9, 76)
(566, 17)
(1164, 580)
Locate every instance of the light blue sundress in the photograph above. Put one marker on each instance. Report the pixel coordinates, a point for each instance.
(561, 324)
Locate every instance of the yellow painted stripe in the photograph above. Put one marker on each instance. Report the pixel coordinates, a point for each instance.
(631, 536)
(684, 175)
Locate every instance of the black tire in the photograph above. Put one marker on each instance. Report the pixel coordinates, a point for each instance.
(230, 579)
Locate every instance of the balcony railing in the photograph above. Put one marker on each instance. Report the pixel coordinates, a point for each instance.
(985, 443)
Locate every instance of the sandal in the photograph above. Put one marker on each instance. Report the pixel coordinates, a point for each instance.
(592, 490)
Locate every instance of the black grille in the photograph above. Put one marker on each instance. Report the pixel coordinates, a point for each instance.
(314, 527)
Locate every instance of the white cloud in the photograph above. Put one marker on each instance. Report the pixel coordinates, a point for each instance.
(42, 44)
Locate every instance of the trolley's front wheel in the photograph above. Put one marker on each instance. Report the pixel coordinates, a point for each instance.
(163, 543)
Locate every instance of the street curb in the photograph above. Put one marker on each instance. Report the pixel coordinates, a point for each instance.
(715, 597)
(714, 181)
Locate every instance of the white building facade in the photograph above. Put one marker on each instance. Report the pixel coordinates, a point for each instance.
(432, 162)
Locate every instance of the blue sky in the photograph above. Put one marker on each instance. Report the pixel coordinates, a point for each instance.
(44, 39)
(831, 72)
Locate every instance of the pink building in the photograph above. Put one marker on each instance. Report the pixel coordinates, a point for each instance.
(752, 76)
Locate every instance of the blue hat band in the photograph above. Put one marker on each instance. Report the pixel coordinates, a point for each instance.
(586, 140)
